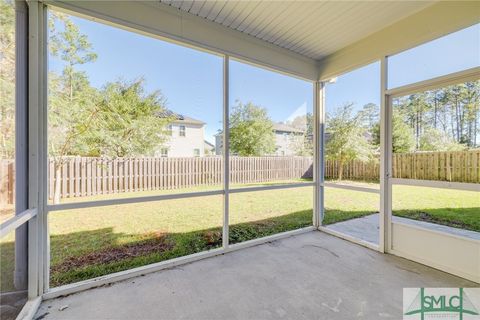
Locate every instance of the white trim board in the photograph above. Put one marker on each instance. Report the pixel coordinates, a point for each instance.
(30, 309)
(431, 248)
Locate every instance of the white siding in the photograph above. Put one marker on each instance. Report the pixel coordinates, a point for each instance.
(179, 146)
(285, 143)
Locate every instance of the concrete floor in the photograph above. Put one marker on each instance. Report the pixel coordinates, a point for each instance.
(310, 276)
(364, 228)
(367, 229)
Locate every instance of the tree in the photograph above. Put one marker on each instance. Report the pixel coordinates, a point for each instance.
(302, 144)
(455, 110)
(127, 122)
(370, 114)
(7, 79)
(118, 120)
(71, 98)
(347, 138)
(403, 139)
(436, 140)
(415, 109)
(251, 130)
(71, 46)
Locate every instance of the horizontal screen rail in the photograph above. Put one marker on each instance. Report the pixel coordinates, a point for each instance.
(111, 202)
(350, 187)
(438, 82)
(16, 221)
(272, 187)
(437, 184)
(119, 201)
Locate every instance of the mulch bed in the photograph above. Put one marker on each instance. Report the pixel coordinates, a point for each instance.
(158, 243)
(425, 216)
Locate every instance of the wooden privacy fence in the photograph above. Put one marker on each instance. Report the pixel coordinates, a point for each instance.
(7, 178)
(353, 170)
(455, 166)
(81, 176)
(458, 166)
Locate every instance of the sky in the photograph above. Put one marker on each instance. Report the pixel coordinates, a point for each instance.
(191, 80)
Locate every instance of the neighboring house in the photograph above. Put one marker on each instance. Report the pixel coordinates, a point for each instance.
(219, 143)
(209, 148)
(286, 138)
(186, 137)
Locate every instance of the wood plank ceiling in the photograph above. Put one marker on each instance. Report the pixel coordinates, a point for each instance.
(312, 28)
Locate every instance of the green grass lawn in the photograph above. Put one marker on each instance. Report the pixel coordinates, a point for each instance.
(455, 208)
(91, 242)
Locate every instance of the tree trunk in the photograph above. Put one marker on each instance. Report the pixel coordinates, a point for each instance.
(475, 121)
(457, 113)
(56, 191)
(340, 170)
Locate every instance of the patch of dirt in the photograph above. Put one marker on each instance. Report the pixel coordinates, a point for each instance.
(424, 216)
(213, 238)
(155, 242)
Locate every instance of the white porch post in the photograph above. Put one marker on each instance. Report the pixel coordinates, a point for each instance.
(385, 163)
(318, 153)
(37, 149)
(21, 141)
(226, 148)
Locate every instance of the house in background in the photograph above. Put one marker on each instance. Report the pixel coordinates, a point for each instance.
(186, 137)
(286, 138)
(209, 148)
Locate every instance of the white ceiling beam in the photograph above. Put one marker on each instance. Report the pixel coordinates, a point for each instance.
(433, 22)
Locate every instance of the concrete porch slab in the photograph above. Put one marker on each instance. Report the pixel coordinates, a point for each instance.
(367, 229)
(310, 276)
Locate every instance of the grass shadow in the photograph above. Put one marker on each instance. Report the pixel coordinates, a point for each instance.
(107, 255)
(102, 251)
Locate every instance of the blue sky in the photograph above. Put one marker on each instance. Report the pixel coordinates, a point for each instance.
(191, 80)
(455, 52)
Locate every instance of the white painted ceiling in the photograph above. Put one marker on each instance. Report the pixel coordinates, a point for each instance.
(312, 28)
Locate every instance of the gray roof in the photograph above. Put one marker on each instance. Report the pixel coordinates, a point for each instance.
(211, 145)
(179, 118)
(278, 127)
(285, 128)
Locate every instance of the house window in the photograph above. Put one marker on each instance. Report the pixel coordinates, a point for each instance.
(182, 131)
(164, 152)
(170, 130)
(196, 152)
